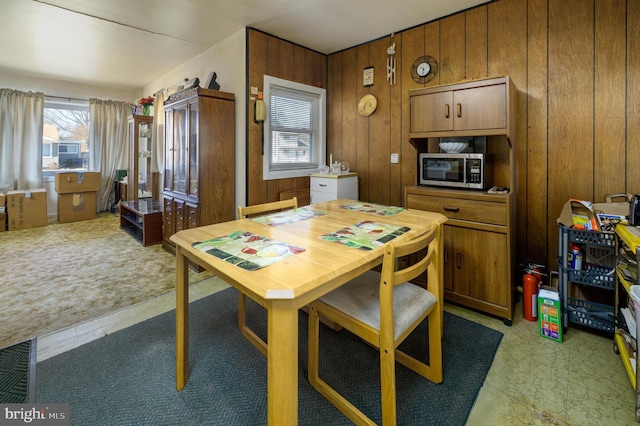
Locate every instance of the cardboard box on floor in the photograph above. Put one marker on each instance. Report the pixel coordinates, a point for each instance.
(26, 208)
(73, 182)
(77, 195)
(549, 313)
(76, 207)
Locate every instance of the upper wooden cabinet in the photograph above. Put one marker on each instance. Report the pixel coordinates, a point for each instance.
(473, 108)
(199, 174)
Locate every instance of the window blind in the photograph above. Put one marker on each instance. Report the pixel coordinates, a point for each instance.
(294, 125)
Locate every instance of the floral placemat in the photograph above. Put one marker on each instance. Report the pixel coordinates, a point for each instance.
(287, 216)
(365, 235)
(379, 209)
(248, 250)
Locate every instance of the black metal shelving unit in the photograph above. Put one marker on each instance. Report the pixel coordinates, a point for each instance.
(588, 293)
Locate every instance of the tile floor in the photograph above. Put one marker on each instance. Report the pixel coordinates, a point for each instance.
(532, 381)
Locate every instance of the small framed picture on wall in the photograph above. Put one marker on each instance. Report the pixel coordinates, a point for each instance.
(368, 77)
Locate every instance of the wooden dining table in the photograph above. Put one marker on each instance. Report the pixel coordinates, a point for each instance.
(319, 265)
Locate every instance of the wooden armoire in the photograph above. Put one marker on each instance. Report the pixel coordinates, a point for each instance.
(199, 173)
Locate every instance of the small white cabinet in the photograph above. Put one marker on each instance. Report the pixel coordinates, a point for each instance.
(327, 187)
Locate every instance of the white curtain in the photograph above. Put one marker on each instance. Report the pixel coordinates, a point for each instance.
(108, 145)
(157, 135)
(20, 139)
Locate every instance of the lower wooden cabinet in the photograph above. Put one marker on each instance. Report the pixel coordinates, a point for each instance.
(178, 215)
(476, 269)
(478, 246)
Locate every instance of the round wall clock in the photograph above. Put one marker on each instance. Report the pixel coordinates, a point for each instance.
(424, 69)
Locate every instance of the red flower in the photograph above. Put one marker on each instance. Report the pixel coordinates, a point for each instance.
(149, 100)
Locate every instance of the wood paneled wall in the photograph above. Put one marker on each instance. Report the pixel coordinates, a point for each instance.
(269, 55)
(575, 64)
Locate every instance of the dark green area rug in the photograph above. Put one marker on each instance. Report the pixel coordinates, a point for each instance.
(129, 377)
(17, 375)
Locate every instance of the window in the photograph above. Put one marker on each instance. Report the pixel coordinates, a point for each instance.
(294, 130)
(46, 150)
(68, 149)
(65, 137)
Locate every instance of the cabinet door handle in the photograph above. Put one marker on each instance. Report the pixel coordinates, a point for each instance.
(323, 185)
(446, 110)
(459, 260)
(459, 109)
(446, 257)
(451, 209)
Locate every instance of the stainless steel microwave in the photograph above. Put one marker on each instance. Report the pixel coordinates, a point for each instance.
(464, 170)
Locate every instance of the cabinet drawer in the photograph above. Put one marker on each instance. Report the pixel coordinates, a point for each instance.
(455, 208)
(324, 185)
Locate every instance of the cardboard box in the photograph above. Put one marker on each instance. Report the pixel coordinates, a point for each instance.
(73, 182)
(582, 214)
(76, 207)
(578, 214)
(26, 208)
(3, 222)
(549, 313)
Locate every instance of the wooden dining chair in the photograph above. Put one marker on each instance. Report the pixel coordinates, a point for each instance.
(383, 308)
(249, 211)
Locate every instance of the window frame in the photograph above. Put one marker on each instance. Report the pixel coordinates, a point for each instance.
(318, 147)
(48, 175)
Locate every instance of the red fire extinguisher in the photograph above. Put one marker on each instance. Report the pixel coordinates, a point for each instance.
(530, 284)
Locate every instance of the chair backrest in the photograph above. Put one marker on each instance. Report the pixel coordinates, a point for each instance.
(291, 203)
(396, 272)
(420, 246)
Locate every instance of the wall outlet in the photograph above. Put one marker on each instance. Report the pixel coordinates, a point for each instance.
(395, 158)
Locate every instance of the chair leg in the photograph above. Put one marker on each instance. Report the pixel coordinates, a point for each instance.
(435, 346)
(314, 337)
(388, 384)
(252, 337)
(338, 401)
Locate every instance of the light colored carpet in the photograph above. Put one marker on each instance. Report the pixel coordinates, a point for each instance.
(62, 274)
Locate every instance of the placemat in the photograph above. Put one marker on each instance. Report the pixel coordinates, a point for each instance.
(287, 216)
(379, 209)
(247, 250)
(365, 235)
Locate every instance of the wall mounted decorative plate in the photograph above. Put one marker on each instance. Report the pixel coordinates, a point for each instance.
(367, 105)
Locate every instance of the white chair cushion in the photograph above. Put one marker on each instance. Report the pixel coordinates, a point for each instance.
(360, 299)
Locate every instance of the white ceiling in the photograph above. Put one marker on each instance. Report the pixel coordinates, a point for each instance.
(129, 43)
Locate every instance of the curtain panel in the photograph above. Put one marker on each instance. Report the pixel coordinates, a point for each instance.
(21, 120)
(108, 145)
(157, 135)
